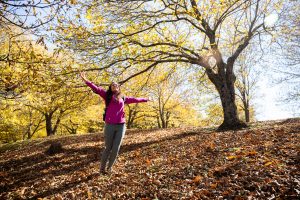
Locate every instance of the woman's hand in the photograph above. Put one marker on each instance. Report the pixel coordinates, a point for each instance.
(83, 77)
(149, 99)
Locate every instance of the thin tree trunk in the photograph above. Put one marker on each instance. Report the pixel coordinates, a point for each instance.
(29, 126)
(158, 122)
(163, 121)
(161, 117)
(132, 115)
(29, 131)
(246, 104)
(247, 113)
(49, 124)
(167, 119)
(56, 125)
(129, 122)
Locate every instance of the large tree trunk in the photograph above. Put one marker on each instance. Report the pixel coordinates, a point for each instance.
(231, 119)
(224, 83)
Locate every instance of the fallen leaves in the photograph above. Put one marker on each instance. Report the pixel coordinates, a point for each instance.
(258, 163)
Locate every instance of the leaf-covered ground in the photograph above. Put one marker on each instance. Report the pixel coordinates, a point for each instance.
(261, 162)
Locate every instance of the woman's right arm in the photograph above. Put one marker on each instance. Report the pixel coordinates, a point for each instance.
(97, 89)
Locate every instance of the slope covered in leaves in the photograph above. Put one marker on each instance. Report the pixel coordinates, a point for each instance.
(259, 162)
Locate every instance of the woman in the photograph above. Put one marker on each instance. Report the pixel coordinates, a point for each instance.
(114, 118)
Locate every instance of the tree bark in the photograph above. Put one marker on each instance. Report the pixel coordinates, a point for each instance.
(129, 123)
(246, 103)
(162, 119)
(231, 119)
(131, 117)
(56, 125)
(29, 126)
(224, 83)
(49, 129)
(247, 114)
(168, 114)
(158, 122)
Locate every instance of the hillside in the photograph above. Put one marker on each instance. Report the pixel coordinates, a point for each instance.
(260, 162)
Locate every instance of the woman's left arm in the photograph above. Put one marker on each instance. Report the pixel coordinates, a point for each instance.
(129, 100)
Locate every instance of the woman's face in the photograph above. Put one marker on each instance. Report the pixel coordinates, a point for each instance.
(115, 88)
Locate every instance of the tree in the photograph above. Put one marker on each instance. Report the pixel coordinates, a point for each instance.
(215, 115)
(33, 75)
(247, 78)
(288, 41)
(29, 14)
(19, 18)
(54, 99)
(8, 120)
(31, 120)
(20, 58)
(167, 95)
(135, 112)
(28, 85)
(142, 36)
(17, 57)
(25, 122)
(172, 103)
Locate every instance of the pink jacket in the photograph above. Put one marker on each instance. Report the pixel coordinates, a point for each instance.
(115, 111)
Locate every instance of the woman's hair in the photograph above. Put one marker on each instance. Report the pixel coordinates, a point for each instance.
(109, 94)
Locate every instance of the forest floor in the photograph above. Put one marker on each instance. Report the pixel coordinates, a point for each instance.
(259, 162)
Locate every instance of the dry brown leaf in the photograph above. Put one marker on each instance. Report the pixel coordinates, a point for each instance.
(252, 153)
(148, 162)
(268, 163)
(197, 179)
(213, 185)
(231, 157)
